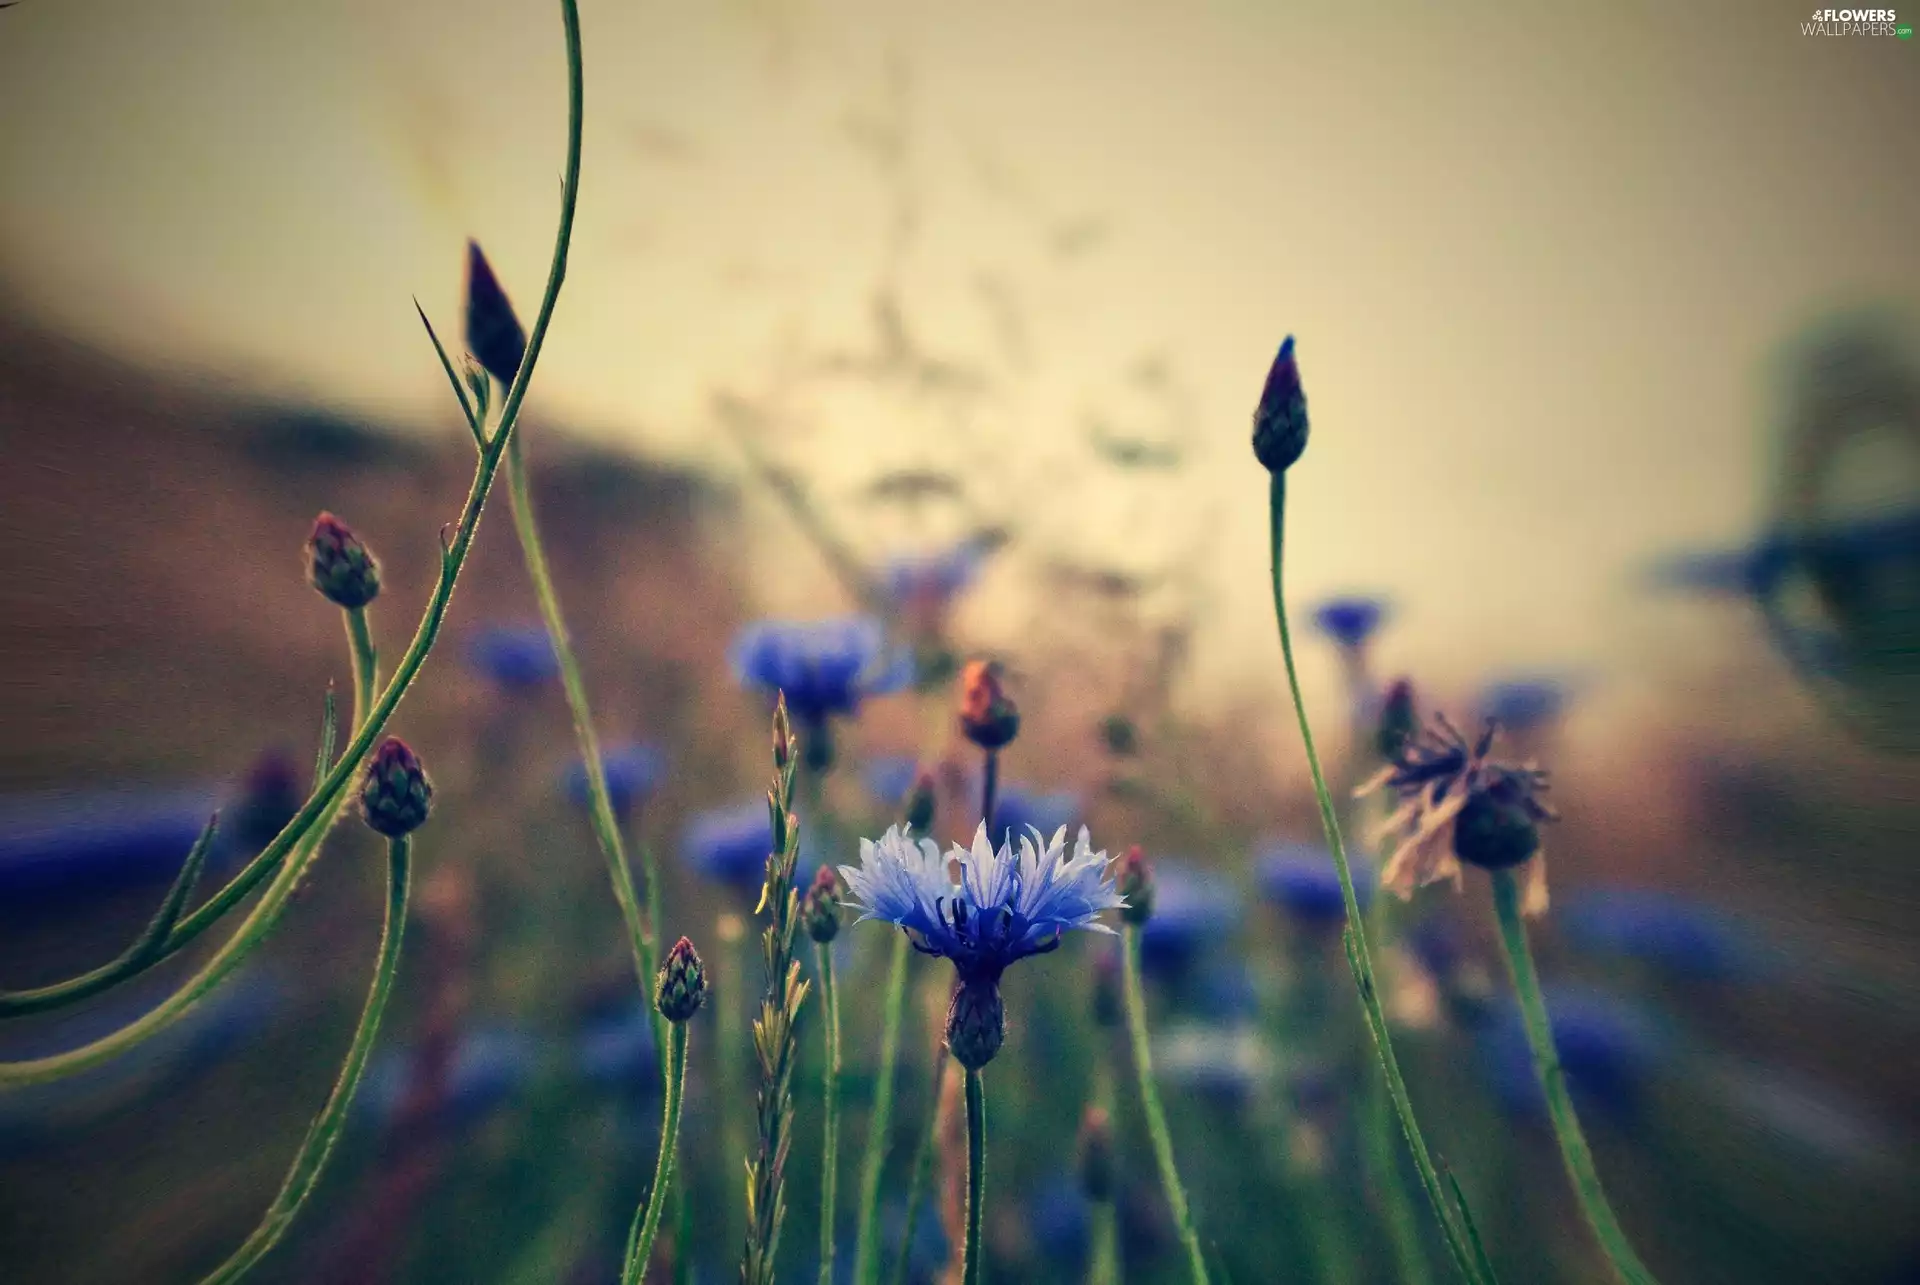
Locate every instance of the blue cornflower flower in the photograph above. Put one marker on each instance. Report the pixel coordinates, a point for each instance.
(1681, 935)
(1301, 879)
(91, 840)
(514, 657)
(1018, 809)
(1606, 1047)
(932, 580)
(825, 667)
(1192, 909)
(1351, 620)
(1060, 1218)
(1524, 702)
(633, 771)
(730, 845)
(616, 1050)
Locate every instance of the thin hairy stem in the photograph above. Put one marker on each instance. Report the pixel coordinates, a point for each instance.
(866, 1263)
(1136, 1005)
(976, 1174)
(319, 806)
(1358, 958)
(304, 1175)
(646, 1219)
(366, 662)
(830, 1147)
(1553, 1082)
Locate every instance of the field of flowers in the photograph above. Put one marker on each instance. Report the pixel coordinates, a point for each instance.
(512, 905)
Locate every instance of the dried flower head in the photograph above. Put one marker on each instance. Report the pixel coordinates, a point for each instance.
(682, 985)
(988, 716)
(1280, 420)
(1457, 804)
(339, 566)
(819, 910)
(395, 794)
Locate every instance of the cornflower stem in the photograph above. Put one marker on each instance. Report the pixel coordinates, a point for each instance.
(922, 1166)
(366, 662)
(830, 1146)
(976, 1173)
(1383, 1173)
(646, 1219)
(1136, 1005)
(1358, 958)
(990, 793)
(304, 1175)
(866, 1263)
(317, 810)
(1553, 1083)
(606, 826)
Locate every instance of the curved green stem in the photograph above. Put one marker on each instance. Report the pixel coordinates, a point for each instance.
(646, 1219)
(1383, 1176)
(366, 662)
(830, 1147)
(453, 557)
(1136, 1004)
(1356, 934)
(1553, 1082)
(606, 827)
(866, 1264)
(976, 1174)
(304, 1175)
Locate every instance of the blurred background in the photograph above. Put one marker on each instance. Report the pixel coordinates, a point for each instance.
(1607, 324)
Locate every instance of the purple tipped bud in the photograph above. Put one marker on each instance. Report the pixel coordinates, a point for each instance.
(339, 566)
(1096, 1154)
(988, 716)
(682, 985)
(1133, 878)
(976, 1024)
(395, 794)
(1280, 420)
(1399, 720)
(494, 335)
(819, 910)
(921, 802)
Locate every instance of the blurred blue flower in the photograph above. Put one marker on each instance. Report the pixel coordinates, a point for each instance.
(929, 1250)
(889, 777)
(514, 657)
(1351, 620)
(1745, 572)
(1061, 1220)
(1193, 909)
(1019, 809)
(1225, 992)
(1008, 904)
(633, 771)
(1223, 1063)
(1301, 879)
(490, 1065)
(92, 841)
(616, 1051)
(1606, 1046)
(825, 667)
(932, 579)
(729, 846)
(1684, 936)
(1525, 702)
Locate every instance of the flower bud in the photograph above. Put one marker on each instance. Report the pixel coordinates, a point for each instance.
(1280, 420)
(921, 802)
(339, 566)
(1133, 879)
(1096, 1154)
(782, 735)
(682, 985)
(395, 794)
(988, 716)
(818, 909)
(494, 335)
(976, 1024)
(1399, 720)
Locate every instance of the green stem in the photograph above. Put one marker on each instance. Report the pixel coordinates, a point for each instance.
(866, 1263)
(646, 1219)
(1383, 1176)
(830, 1148)
(319, 806)
(366, 662)
(1553, 1082)
(1103, 1267)
(1136, 1004)
(1358, 957)
(606, 827)
(922, 1168)
(976, 1174)
(304, 1175)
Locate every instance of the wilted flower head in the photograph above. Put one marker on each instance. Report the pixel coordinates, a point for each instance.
(494, 335)
(1280, 419)
(632, 772)
(1006, 906)
(825, 667)
(395, 795)
(1456, 804)
(339, 566)
(1301, 879)
(1351, 620)
(988, 716)
(515, 657)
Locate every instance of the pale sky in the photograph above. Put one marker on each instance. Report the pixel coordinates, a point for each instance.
(1538, 265)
